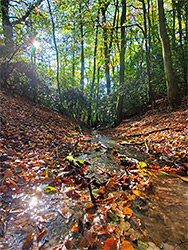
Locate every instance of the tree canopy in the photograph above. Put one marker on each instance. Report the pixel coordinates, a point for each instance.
(95, 60)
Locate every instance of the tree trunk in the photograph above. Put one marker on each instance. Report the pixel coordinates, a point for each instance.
(7, 27)
(106, 50)
(186, 46)
(57, 53)
(82, 51)
(172, 87)
(147, 53)
(89, 120)
(182, 54)
(119, 114)
(73, 59)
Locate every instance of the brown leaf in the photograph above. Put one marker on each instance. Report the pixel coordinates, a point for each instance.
(110, 244)
(28, 242)
(90, 208)
(69, 244)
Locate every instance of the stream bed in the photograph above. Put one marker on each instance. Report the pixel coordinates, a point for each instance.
(163, 213)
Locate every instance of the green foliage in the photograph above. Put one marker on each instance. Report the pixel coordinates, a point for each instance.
(75, 103)
(32, 72)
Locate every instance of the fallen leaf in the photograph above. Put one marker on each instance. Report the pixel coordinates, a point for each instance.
(90, 209)
(50, 190)
(137, 192)
(41, 235)
(126, 245)
(28, 242)
(75, 228)
(184, 179)
(141, 165)
(110, 244)
(127, 211)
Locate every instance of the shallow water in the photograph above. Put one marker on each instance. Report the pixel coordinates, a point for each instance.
(163, 212)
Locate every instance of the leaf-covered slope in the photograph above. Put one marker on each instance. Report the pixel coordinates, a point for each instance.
(158, 132)
(27, 127)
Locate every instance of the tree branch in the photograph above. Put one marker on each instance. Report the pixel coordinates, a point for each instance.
(148, 133)
(28, 12)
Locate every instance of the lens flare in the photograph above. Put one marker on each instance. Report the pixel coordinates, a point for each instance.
(36, 44)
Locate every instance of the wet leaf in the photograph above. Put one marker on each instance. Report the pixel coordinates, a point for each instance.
(69, 244)
(28, 242)
(79, 161)
(2, 226)
(110, 244)
(41, 235)
(50, 190)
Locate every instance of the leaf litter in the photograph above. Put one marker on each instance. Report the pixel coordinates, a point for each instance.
(52, 199)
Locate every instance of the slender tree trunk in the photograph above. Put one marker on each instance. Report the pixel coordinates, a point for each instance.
(97, 101)
(57, 53)
(106, 50)
(147, 53)
(89, 120)
(186, 46)
(174, 25)
(119, 114)
(73, 59)
(172, 87)
(82, 51)
(182, 56)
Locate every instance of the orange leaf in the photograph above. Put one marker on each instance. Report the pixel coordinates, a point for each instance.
(41, 235)
(127, 211)
(110, 244)
(75, 228)
(103, 190)
(126, 245)
(137, 192)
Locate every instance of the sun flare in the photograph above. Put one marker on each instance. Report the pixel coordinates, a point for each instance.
(36, 44)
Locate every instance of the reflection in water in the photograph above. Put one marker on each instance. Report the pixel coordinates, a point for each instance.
(33, 202)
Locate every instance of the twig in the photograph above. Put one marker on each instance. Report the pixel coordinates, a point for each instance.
(131, 143)
(91, 195)
(148, 133)
(146, 145)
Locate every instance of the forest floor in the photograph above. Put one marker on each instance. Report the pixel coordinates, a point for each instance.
(159, 133)
(64, 188)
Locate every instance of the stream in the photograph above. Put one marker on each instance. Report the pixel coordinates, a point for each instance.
(163, 213)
